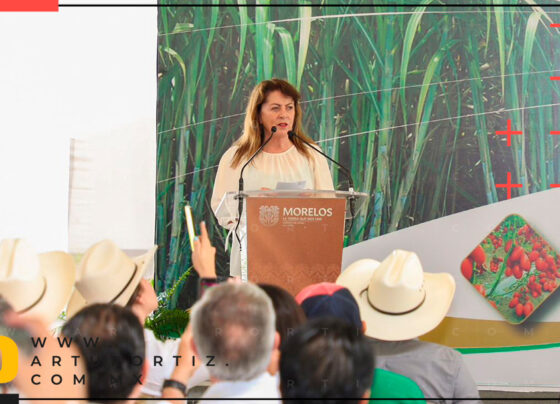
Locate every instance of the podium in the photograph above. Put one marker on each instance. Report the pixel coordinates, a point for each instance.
(291, 238)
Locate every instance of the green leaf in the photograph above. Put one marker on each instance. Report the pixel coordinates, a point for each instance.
(182, 27)
(499, 15)
(243, 23)
(530, 33)
(289, 53)
(411, 29)
(305, 14)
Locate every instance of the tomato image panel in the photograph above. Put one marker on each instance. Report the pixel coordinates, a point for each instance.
(514, 268)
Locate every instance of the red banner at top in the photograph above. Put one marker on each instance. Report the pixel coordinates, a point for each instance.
(28, 5)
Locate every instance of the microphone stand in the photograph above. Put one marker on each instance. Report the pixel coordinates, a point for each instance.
(351, 198)
(239, 198)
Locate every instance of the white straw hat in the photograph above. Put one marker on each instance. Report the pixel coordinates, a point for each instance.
(107, 275)
(34, 284)
(397, 300)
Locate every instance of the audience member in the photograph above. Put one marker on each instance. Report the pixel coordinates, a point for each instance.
(111, 341)
(107, 275)
(399, 302)
(234, 335)
(289, 316)
(326, 359)
(329, 299)
(332, 300)
(35, 285)
(38, 375)
(232, 330)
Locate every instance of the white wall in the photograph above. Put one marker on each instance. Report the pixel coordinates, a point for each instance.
(87, 74)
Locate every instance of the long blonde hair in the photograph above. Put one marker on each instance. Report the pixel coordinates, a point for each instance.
(253, 132)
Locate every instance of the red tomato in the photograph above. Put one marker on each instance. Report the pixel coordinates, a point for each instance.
(513, 302)
(524, 262)
(537, 246)
(478, 255)
(467, 268)
(516, 254)
(533, 255)
(541, 264)
(508, 271)
(527, 309)
(519, 309)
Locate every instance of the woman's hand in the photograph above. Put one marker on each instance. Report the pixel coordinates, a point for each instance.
(204, 254)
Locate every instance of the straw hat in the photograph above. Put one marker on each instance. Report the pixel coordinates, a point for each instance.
(35, 285)
(397, 300)
(107, 275)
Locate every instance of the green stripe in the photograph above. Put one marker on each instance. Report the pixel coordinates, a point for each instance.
(468, 351)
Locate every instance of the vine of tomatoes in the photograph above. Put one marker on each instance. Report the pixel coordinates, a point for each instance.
(527, 258)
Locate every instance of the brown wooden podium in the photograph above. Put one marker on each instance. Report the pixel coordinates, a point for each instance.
(292, 238)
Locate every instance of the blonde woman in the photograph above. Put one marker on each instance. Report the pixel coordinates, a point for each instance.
(273, 103)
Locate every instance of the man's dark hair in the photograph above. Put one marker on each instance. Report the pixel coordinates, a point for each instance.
(326, 358)
(111, 340)
(289, 314)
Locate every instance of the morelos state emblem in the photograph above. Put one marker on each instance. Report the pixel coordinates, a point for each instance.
(269, 215)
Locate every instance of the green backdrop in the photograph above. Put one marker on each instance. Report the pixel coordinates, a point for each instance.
(409, 98)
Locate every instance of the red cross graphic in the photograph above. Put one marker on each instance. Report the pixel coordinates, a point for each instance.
(509, 185)
(508, 132)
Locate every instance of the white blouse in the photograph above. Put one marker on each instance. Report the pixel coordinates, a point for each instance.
(268, 169)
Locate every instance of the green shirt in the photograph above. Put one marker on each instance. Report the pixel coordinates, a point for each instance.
(392, 385)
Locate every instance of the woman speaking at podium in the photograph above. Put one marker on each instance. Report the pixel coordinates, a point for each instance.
(273, 110)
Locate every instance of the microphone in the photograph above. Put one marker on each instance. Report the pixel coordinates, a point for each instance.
(239, 199)
(344, 170)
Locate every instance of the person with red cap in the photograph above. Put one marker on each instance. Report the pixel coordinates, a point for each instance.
(399, 302)
(331, 300)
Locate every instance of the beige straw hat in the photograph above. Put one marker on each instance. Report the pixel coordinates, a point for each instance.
(397, 300)
(107, 275)
(37, 285)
